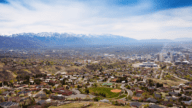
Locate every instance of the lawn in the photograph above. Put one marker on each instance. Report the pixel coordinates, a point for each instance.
(122, 96)
(104, 90)
(94, 105)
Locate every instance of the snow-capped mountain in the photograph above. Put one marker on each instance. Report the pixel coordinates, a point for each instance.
(53, 39)
(45, 39)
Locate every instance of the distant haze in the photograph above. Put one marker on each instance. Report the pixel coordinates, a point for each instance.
(165, 19)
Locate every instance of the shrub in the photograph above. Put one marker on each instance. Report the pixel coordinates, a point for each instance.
(170, 105)
(87, 91)
(96, 98)
(21, 95)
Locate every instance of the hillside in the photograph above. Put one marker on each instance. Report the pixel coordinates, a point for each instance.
(10, 69)
(92, 105)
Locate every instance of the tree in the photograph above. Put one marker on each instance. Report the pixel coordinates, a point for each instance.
(63, 82)
(37, 81)
(96, 98)
(145, 95)
(51, 82)
(87, 91)
(129, 97)
(170, 105)
(146, 105)
(95, 84)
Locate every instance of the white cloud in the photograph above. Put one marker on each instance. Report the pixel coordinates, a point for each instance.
(94, 18)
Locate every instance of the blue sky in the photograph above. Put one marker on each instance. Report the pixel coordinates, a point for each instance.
(139, 19)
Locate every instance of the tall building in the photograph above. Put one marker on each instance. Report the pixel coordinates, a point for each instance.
(158, 57)
(161, 58)
(168, 53)
(187, 56)
(172, 58)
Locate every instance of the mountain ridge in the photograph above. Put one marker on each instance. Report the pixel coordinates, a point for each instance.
(54, 39)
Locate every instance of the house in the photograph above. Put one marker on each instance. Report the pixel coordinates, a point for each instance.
(9, 104)
(42, 96)
(41, 102)
(177, 89)
(66, 92)
(174, 94)
(77, 63)
(163, 89)
(171, 98)
(151, 89)
(35, 106)
(139, 91)
(138, 94)
(114, 80)
(57, 97)
(14, 99)
(154, 106)
(2, 99)
(187, 92)
(157, 95)
(62, 91)
(39, 86)
(24, 92)
(152, 100)
(135, 104)
(166, 103)
(134, 98)
(61, 73)
(104, 100)
(122, 102)
(6, 93)
(185, 98)
(187, 102)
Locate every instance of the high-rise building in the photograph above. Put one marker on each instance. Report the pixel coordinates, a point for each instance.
(168, 53)
(172, 58)
(187, 56)
(161, 58)
(158, 57)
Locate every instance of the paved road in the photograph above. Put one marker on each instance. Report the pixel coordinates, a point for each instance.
(161, 74)
(40, 92)
(109, 79)
(130, 93)
(180, 78)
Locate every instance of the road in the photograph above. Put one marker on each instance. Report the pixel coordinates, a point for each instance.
(180, 78)
(40, 92)
(130, 93)
(109, 79)
(161, 74)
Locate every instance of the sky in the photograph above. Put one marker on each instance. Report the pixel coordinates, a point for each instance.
(139, 19)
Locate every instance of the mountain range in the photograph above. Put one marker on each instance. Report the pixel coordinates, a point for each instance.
(52, 40)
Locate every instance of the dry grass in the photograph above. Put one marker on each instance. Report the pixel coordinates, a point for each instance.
(26, 70)
(95, 105)
(74, 67)
(12, 73)
(168, 82)
(51, 69)
(1, 65)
